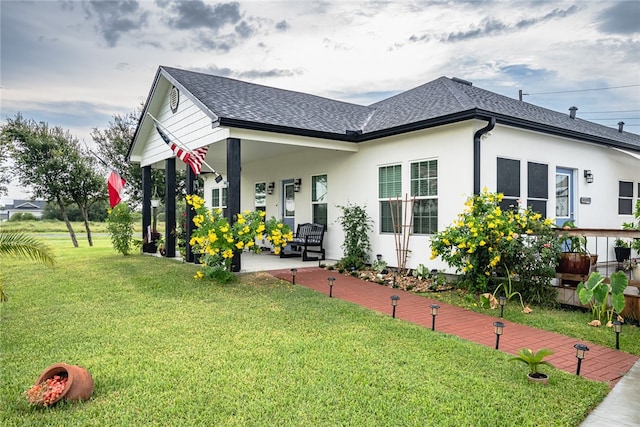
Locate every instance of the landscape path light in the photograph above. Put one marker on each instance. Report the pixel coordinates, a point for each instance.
(434, 313)
(498, 328)
(617, 328)
(581, 351)
(331, 280)
(394, 303)
(293, 275)
(503, 302)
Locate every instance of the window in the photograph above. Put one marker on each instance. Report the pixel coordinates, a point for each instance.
(538, 187)
(319, 199)
(261, 196)
(509, 182)
(219, 199)
(625, 198)
(424, 187)
(389, 187)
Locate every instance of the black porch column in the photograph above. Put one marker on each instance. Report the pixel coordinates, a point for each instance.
(146, 201)
(233, 189)
(192, 179)
(170, 207)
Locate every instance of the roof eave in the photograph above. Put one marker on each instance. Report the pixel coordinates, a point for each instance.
(244, 124)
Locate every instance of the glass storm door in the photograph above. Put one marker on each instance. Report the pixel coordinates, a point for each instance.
(564, 196)
(288, 204)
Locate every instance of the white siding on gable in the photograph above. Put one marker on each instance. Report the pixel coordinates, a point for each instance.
(189, 125)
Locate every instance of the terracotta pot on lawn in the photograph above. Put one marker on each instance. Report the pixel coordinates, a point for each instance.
(538, 377)
(79, 381)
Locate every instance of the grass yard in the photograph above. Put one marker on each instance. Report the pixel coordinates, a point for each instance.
(165, 349)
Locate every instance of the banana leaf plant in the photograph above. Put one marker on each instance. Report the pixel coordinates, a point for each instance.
(596, 292)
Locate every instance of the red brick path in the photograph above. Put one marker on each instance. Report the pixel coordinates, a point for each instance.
(601, 363)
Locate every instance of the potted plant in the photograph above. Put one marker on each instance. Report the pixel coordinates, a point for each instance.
(622, 249)
(534, 360)
(575, 258)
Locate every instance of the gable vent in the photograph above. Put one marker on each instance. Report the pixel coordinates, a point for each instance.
(174, 99)
(464, 82)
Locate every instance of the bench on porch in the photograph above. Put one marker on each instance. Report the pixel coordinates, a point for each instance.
(307, 239)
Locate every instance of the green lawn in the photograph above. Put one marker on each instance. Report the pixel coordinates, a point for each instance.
(165, 349)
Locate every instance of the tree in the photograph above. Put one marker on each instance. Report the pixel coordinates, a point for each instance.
(86, 187)
(42, 156)
(20, 244)
(4, 168)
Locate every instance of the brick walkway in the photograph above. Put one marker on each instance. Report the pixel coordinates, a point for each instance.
(601, 363)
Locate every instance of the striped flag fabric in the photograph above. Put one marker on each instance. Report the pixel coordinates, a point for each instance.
(115, 185)
(192, 158)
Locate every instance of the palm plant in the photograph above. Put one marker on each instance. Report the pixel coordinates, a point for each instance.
(533, 360)
(22, 245)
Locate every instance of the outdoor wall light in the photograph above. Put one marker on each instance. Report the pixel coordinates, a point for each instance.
(581, 351)
(394, 303)
(331, 280)
(297, 183)
(379, 257)
(503, 301)
(498, 329)
(588, 176)
(617, 328)
(271, 187)
(434, 313)
(218, 178)
(293, 275)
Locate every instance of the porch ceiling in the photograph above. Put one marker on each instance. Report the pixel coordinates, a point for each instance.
(261, 146)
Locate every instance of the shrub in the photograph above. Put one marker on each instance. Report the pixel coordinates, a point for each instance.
(487, 243)
(217, 241)
(120, 228)
(356, 225)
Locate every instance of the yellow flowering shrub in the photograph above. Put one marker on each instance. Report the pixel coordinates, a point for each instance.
(217, 241)
(486, 241)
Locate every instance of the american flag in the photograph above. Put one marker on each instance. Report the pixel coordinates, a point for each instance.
(192, 158)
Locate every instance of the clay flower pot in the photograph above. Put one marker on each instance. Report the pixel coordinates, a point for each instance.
(79, 381)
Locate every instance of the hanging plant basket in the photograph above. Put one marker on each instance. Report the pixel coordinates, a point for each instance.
(61, 381)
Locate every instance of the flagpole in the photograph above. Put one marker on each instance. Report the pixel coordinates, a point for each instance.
(184, 147)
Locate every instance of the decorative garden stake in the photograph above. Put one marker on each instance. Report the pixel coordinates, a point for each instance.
(503, 302)
(581, 350)
(617, 328)
(331, 280)
(394, 303)
(498, 328)
(434, 313)
(293, 274)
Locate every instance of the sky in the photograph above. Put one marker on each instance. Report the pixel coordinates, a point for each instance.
(76, 64)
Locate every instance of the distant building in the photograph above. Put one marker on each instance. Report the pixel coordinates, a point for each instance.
(34, 207)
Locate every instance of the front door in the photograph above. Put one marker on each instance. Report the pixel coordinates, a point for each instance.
(564, 196)
(288, 204)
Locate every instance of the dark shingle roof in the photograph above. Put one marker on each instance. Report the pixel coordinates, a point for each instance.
(427, 105)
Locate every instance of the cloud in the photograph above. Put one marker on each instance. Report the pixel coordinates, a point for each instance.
(491, 26)
(244, 30)
(195, 14)
(115, 18)
(282, 26)
(621, 18)
(248, 74)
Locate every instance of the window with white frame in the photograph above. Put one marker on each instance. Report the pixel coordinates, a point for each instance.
(424, 187)
(261, 196)
(389, 191)
(625, 198)
(219, 199)
(319, 193)
(538, 187)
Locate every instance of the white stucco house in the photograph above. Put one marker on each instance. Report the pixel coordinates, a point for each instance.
(300, 156)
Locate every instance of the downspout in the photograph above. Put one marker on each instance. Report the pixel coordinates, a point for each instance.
(476, 153)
